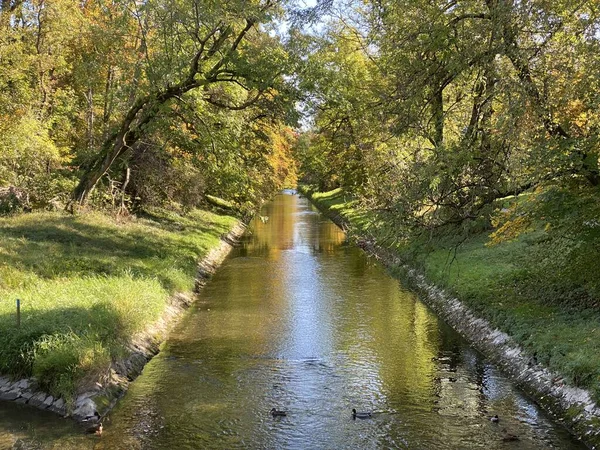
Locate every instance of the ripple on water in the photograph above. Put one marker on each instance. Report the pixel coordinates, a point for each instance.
(298, 320)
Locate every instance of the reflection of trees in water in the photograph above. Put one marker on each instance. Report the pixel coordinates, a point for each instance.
(291, 225)
(269, 238)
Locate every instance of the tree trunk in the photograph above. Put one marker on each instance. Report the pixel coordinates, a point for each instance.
(437, 106)
(90, 118)
(146, 108)
(131, 129)
(91, 177)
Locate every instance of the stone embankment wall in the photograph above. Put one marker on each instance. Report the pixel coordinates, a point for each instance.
(96, 402)
(569, 405)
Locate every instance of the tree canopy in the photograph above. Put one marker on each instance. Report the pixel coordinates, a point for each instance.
(433, 110)
(162, 100)
(430, 111)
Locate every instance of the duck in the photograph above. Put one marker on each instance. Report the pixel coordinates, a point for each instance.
(95, 429)
(360, 415)
(494, 418)
(278, 413)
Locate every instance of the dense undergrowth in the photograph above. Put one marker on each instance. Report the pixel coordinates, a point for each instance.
(88, 284)
(540, 287)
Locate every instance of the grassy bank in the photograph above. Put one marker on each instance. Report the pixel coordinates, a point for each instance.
(519, 286)
(88, 283)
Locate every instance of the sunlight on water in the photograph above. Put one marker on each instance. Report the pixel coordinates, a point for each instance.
(299, 320)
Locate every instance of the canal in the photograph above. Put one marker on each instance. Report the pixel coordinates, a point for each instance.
(297, 319)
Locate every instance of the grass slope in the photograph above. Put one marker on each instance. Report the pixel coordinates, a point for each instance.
(514, 286)
(88, 283)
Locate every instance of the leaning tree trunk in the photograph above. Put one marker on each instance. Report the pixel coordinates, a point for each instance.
(138, 116)
(113, 147)
(146, 108)
(91, 177)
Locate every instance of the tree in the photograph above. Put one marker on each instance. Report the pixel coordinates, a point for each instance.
(474, 99)
(213, 40)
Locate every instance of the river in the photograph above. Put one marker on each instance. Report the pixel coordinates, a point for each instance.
(298, 319)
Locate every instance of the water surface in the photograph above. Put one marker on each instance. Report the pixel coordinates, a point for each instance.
(299, 320)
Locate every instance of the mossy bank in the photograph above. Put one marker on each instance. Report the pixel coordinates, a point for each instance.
(540, 345)
(98, 294)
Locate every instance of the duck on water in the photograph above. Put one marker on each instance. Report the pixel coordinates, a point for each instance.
(361, 414)
(278, 413)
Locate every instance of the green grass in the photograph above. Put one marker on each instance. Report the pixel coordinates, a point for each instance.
(88, 284)
(524, 287)
(339, 202)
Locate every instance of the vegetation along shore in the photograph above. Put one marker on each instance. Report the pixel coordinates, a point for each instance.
(97, 295)
(459, 138)
(547, 345)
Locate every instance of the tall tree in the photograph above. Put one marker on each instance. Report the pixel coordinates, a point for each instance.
(480, 98)
(196, 45)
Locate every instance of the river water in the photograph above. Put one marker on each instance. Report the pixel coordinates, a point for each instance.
(297, 319)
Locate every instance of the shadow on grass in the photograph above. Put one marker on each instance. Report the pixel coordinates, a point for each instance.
(100, 323)
(63, 246)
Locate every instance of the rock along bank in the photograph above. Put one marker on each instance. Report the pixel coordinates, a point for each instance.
(571, 406)
(91, 406)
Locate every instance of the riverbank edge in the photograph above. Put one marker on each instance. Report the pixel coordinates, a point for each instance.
(572, 407)
(91, 406)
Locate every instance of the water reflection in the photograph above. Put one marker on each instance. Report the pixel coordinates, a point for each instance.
(298, 320)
